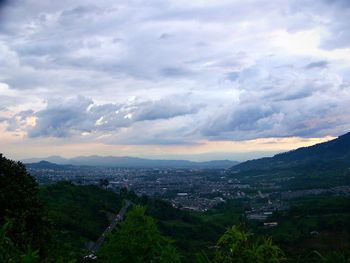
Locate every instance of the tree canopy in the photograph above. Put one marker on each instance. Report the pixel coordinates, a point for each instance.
(137, 240)
(22, 216)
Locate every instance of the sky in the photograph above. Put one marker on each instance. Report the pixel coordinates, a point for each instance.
(198, 80)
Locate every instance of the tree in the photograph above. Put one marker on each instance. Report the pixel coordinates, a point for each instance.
(103, 183)
(10, 253)
(238, 246)
(22, 215)
(137, 240)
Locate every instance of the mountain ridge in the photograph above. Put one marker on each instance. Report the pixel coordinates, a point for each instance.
(334, 150)
(130, 162)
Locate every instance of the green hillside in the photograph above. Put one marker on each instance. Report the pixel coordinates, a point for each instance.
(335, 150)
(59, 222)
(78, 215)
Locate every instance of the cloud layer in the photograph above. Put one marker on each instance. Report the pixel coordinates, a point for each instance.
(174, 72)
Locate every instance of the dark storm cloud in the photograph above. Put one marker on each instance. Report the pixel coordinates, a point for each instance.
(78, 115)
(165, 36)
(232, 75)
(307, 117)
(175, 72)
(337, 24)
(317, 64)
(80, 11)
(244, 118)
(63, 119)
(293, 93)
(134, 55)
(301, 94)
(3, 3)
(339, 3)
(166, 108)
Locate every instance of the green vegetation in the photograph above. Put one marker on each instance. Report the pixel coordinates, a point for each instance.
(237, 246)
(137, 239)
(55, 223)
(315, 174)
(10, 251)
(79, 214)
(323, 165)
(24, 226)
(59, 222)
(193, 231)
(337, 150)
(312, 227)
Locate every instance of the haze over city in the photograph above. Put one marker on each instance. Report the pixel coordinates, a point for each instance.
(196, 80)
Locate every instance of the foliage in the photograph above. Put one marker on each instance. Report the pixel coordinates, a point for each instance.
(202, 257)
(103, 183)
(137, 239)
(20, 205)
(62, 219)
(322, 165)
(332, 257)
(79, 214)
(310, 226)
(238, 246)
(9, 252)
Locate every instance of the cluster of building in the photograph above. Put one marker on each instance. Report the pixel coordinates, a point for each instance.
(191, 189)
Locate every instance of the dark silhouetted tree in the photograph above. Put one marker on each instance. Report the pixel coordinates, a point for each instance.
(20, 209)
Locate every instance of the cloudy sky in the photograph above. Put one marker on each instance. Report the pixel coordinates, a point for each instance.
(199, 79)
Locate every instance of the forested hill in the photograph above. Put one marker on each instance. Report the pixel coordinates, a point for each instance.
(334, 150)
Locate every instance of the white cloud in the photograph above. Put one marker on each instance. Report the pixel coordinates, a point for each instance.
(196, 70)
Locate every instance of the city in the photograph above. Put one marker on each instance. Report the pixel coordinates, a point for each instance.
(191, 189)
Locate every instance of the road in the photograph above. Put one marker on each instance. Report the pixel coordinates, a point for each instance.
(119, 217)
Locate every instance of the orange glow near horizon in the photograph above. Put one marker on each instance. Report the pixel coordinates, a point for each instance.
(16, 145)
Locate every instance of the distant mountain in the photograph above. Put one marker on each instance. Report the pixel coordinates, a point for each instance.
(47, 165)
(52, 159)
(334, 150)
(130, 162)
